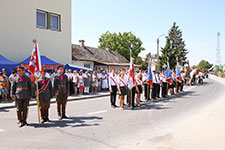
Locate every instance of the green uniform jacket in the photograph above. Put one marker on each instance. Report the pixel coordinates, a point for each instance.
(47, 93)
(21, 87)
(61, 84)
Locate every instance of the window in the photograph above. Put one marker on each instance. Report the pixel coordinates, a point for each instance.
(87, 65)
(41, 21)
(54, 22)
(48, 20)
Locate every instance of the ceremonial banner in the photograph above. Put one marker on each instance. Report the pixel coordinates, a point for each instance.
(35, 61)
(178, 75)
(149, 78)
(168, 75)
(131, 81)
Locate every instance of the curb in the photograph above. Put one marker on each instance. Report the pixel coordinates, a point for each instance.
(54, 101)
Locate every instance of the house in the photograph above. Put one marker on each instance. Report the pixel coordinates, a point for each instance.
(96, 58)
(47, 21)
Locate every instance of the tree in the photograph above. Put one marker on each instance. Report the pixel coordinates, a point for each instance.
(205, 65)
(174, 48)
(122, 43)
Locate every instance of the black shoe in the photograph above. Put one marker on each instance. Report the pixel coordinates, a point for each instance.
(116, 106)
(25, 123)
(47, 119)
(59, 117)
(20, 124)
(113, 106)
(64, 117)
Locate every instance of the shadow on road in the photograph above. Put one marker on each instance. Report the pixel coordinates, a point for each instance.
(3, 110)
(70, 122)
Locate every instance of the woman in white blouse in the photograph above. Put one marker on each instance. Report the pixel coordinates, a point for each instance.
(122, 88)
(74, 78)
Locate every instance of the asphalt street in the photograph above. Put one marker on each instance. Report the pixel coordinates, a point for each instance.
(94, 125)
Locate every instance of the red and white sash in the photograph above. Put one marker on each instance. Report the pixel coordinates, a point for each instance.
(113, 80)
(123, 82)
(44, 86)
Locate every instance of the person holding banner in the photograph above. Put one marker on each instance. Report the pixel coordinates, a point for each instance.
(61, 88)
(21, 93)
(45, 94)
(139, 89)
(113, 88)
(164, 84)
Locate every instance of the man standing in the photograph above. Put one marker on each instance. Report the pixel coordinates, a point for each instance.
(21, 93)
(164, 84)
(154, 89)
(146, 86)
(61, 89)
(45, 94)
(113, 88)
(158, 84)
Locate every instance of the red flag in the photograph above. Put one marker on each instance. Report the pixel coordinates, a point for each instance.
(131, 74)
(35, 61)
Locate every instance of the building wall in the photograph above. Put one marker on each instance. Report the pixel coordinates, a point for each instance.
(82, 64)
(18, 29)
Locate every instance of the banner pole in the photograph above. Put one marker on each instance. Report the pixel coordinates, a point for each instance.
(38, 104)
(148, 92)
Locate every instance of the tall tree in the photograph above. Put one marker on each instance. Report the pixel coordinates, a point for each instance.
(174, 47)
(122, 43)
(205, 65)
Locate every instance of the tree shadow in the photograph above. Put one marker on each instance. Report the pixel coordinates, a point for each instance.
(70, 122)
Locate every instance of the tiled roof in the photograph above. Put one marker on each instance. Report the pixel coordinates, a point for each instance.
(87, 53)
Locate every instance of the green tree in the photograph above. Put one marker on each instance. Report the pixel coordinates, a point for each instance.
(203, 64)
(174, 48)
(123, 43)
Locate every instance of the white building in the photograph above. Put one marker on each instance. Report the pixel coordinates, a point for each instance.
(48, 21)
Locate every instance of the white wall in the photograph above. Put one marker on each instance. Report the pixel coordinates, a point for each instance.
(81, 63)
(18, 29)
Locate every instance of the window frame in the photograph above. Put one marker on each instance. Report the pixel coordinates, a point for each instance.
(59, 20)
(46, 19)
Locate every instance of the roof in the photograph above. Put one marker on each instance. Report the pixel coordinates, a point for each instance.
(44, 60)
(87, 53)
(5, 61)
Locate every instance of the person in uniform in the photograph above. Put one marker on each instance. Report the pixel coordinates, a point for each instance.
(155, 83)
(158, 85)
(147, 87)
(45, 94)
(113, 88)
(21, 93)
(61, 89)
(139, 89)
(182, 83)
(122, 88)
(164, 84)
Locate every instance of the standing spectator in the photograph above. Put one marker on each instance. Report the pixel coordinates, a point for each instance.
(3, 87)
(80, 80)
(99, 75)
(12, 76)
(70, 79)
(94, 82)
(113, 88)
(75, 81)
(104, 81)
(86, 82)
(90, 75)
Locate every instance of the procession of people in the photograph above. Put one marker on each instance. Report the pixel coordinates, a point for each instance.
(128, 84)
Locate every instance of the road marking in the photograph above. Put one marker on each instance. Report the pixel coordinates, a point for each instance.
(1, 130)
(97, 112)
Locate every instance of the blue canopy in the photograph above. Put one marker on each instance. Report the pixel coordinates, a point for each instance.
(44, 61)
(74, 67)
(8, 64)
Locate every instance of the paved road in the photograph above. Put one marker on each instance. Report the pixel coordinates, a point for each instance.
(93, 124)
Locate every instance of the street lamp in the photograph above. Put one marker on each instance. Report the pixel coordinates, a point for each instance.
(158, 49)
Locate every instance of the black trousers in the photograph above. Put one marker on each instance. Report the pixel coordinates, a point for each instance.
(182, 86)
(158, 90)
(147, 87)
(113, 95)
(164, 89)
(154, 90)
(130, 97)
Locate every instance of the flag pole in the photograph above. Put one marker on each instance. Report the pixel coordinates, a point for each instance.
(167, 81)
(38, 104)
(149, 65)
(37, 91)
(131, 96)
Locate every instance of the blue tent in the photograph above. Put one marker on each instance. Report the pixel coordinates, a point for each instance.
(8, 64)
(44, 61)
(74, 67)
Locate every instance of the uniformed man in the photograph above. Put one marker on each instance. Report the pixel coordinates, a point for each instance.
(113, 88)
(21, 93)
(146, 86)
(61, 89)
(45, 94)
(164, 84)
(158, 85)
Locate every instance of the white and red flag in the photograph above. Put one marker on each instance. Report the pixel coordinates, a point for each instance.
(131, 80)
(35, 61)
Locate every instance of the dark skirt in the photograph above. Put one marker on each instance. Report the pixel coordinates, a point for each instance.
(123, 91)
(140, 89)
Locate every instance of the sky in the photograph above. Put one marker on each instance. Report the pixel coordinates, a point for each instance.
(200, 20)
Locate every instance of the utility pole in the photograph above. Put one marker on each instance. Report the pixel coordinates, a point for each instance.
(218, 56)
(158, 51)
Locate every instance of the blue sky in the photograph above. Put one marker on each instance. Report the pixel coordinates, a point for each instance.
(200, 20)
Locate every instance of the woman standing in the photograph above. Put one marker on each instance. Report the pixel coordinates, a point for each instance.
(3, 86)
(80, 82)
(86, 83)
(122, 88)
(75, 81)
(104, 81)
(94, 82)
(139, 88)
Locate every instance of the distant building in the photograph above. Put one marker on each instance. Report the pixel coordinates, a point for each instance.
(96, 58)
(48, 21)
